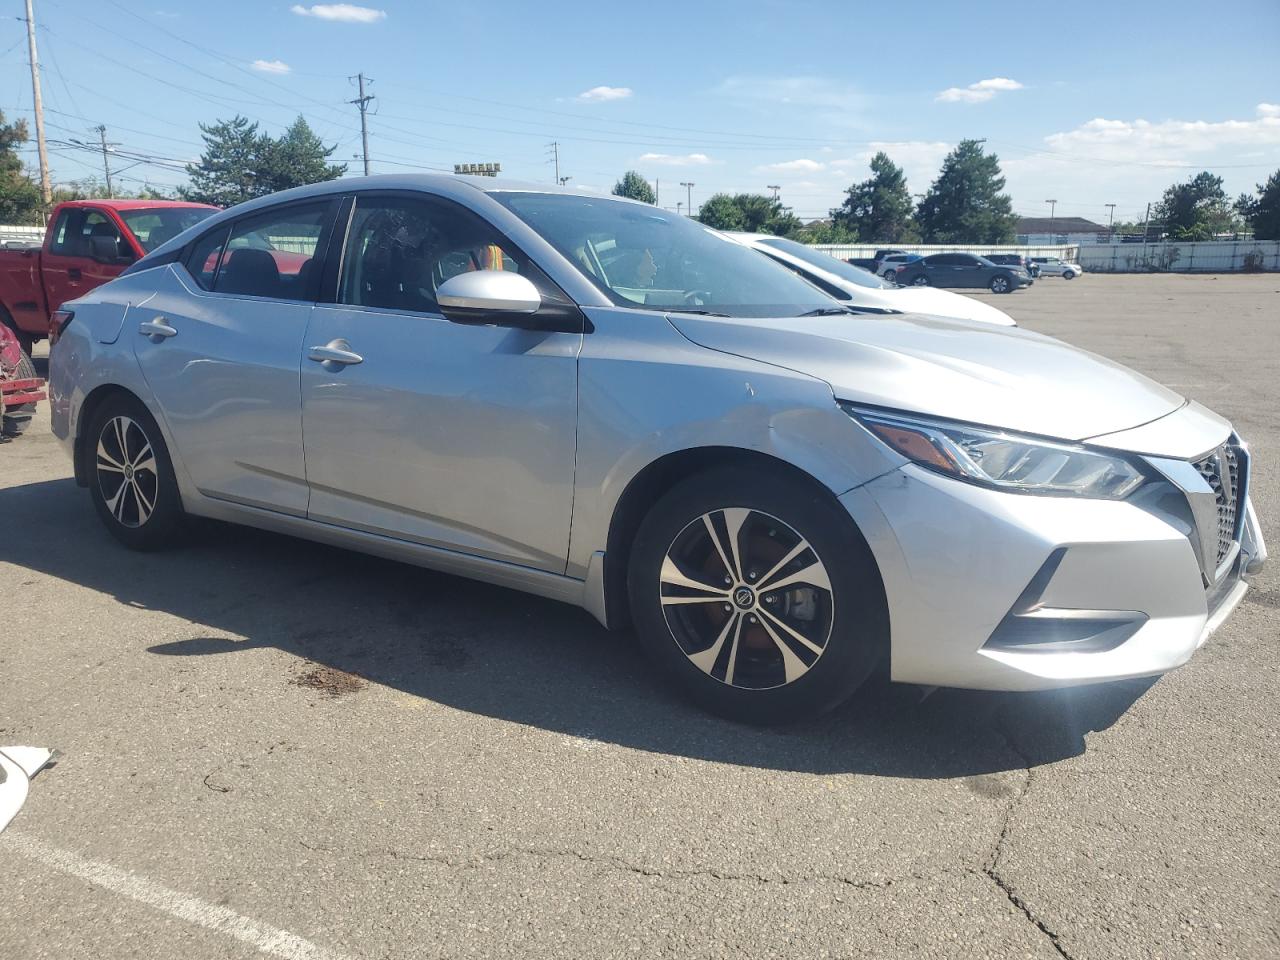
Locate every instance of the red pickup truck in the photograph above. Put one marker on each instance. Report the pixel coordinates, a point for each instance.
(88, 243)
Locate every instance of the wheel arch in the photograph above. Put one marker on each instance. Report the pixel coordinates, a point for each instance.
(651, 483)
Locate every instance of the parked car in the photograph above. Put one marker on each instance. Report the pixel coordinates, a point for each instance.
(863, 263)
(1057, 267)
(87, 243)
(888, 267)
(20, 387)
(1015, 260)
(858, 288)
(882, 255)
(963, 270)
(590, 399)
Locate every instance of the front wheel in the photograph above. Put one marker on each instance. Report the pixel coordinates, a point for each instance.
(1000, 285)
(757, 595)
(1068, 275)
(131, 476)
(920, 281)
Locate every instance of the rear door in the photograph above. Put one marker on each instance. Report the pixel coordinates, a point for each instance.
(219, 347)
(453, 436)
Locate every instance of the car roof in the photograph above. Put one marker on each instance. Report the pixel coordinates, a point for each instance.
(140, 204)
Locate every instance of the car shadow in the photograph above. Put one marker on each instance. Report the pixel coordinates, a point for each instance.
(506, 655)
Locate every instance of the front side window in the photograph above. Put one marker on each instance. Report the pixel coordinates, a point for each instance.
(400, 249)
(273, 254)
(72, 236)
(642, 256)
(64, 229)
(202, 261)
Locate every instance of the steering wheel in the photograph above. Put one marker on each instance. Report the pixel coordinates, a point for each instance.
(697, 298)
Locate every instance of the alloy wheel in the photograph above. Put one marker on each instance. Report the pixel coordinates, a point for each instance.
(747, 598)
(999, 284)
(128, 477)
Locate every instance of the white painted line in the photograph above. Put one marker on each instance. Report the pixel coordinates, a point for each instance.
(268, 939)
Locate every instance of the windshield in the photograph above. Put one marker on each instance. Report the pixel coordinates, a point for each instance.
(642, 256)
(153, 227)
(824, 261)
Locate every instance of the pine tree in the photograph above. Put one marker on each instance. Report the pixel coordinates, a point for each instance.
(295, 159)
(878, 210)
(1263, 211)
(965, 205)
(228, 170)
(635, 187)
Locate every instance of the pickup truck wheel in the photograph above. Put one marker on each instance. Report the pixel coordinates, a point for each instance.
(16, 419)
(25, 340)
(131, 476)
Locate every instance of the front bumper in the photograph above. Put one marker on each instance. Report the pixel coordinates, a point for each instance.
(1002, 591)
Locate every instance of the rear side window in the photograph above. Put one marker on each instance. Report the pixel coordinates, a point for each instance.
(202, 261)
(273, 254)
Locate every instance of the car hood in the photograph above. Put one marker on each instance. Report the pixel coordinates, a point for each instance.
(944, 304)
(961, 370)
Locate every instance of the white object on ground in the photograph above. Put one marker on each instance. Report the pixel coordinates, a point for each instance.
(17, 766)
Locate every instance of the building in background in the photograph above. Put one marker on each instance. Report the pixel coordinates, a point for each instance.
(1050, 231)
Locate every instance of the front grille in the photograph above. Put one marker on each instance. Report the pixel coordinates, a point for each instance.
(1221, 470)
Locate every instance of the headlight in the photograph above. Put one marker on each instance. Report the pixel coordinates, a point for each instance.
(1005, 461)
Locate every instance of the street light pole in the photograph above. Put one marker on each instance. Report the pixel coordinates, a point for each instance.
(688, 188)
(775, 188)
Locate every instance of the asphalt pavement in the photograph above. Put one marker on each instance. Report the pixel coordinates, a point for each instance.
(273, 748)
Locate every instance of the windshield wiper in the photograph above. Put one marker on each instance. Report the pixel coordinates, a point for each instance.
(824, 312)
(701, 313)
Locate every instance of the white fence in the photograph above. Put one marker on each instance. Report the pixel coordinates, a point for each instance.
(21, 236)
(1216, 256)
(846, 251)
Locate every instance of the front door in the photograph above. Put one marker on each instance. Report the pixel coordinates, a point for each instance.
(69, 267)
(454, 436)
(219, 345)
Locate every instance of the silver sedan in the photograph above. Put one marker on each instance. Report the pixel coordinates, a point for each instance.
(593, 400)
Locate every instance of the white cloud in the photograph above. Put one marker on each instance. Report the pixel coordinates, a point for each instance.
(601, 94)
(344, 12)
(1168, 141)
(978, 92)
(834, 103)
(682, 160)
(271, 66)
(793, 166)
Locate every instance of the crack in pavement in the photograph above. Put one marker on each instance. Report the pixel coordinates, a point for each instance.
(991, 868)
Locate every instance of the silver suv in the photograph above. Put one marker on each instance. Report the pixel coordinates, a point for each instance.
(590, 399)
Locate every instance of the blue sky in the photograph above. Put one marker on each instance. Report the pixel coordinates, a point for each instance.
(1086, 103)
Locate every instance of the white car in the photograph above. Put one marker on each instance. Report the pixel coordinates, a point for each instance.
(889, 265)
(1057, 267)
(861, 288)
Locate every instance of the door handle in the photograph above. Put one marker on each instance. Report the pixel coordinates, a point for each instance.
(157, 329)
(74, 273)
(335, 353)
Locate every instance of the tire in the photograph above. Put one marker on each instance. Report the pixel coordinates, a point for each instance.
(15, 420)
(757, 655)
(920, 281)
(121, 496)
(25, 340)
(1001, 284)
(1068, 274)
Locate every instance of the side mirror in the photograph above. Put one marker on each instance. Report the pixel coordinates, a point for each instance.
(499, 298)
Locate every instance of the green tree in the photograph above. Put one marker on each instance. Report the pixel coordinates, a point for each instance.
(19, 195)
(227, 173)
(965, 205)
(635, 187)
(878, 210)
(295, 159)
(1197, 209)
(1263, 211)
(750, 212)
(824, 231)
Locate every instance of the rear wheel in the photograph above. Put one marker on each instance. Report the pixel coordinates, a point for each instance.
(1000, 284)
(757, 595)
(25, 340)
(131, 476)
(920, 281)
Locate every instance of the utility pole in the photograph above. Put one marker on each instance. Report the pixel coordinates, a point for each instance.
(775, 188)
(688, 195)
(555, 157)
(362, 104)
(657, 191)
(46, 189)
(1053, 234)
(106, 167)
(1111, 216)
(679, 207)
